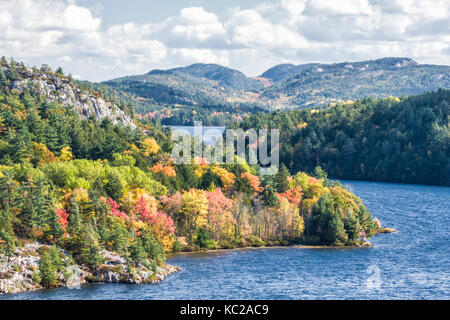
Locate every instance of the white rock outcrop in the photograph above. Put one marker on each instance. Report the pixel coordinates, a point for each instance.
(20, 272)
(60, 89)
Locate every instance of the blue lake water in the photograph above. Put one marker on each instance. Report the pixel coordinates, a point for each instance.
(209, 134)
(413, 263)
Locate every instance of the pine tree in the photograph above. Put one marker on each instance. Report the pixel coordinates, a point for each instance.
(59, 71)
(21, 146)
(335, 233)
(270, 197)
(75, 218)
(88, 246)
(280, 180)
(47, 270)
(9, 195)
(137, 252)
(52, 139)
(3, 79)
(7, 243)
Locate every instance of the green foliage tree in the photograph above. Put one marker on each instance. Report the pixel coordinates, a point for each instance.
(280, 179)
(47, 270)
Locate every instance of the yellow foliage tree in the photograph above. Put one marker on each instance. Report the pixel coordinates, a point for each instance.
(227, 178)
(66, 154)
(43, 154)
(150, 146)
(290, 221)
(194, 210)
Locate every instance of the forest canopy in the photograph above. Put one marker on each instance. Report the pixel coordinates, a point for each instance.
(391, 139)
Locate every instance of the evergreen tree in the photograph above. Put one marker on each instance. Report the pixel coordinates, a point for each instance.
(269, 196)
(88, 247)
(75, 218)
(137, 252)
(47, 269)
(280, 179)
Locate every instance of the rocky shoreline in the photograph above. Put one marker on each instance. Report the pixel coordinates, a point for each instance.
(20, 272)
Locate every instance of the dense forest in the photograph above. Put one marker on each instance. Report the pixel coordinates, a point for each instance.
(391, 139)
(83, 185)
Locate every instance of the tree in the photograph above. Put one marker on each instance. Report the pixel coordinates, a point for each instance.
(153, 247)
(47, 269)
(194, 210)
(9, 190)
(270, 196)
(137, 252)
(75, 219)
(319, 173)
(250, 183)
(7, 243)
(88, 247)
(220, 215)
(150, 146)
(203, 239)
(280, 180)
(326, 223)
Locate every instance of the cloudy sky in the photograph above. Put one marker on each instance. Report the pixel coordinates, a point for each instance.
(102, 39)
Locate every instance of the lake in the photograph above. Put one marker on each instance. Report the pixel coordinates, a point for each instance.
(413, 263)
(209, 134)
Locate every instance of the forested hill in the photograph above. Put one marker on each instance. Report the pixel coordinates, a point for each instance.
(225, 76)
(218, 95)
(54, 86)
(202, 92)
(320, 84)
(284, 71)
(391, 139)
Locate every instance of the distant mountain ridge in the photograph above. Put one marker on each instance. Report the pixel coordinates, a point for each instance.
(286, 86)
(321, 84)
(207, 92)
(282, 72)
(225, 76)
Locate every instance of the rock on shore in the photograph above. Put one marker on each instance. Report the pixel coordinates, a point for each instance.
(20, 272)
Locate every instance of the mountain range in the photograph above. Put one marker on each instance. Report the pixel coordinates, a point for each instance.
(217, 95)
(213, 92)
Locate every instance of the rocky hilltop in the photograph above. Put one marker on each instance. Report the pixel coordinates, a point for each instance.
(55, 86)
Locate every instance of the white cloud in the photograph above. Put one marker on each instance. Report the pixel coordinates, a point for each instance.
(79, 18)
(196, 24)
(188, 56)
(341, 7)
(250, 29)
(66, 32)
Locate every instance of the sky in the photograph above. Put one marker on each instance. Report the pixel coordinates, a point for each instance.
(98, 40)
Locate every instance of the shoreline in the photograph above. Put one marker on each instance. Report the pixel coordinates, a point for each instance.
(20, 272)
(300, 246)
(17, 273)
(366, 244)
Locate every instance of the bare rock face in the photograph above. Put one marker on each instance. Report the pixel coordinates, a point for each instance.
(58, 88)
(16, 272)
(20, 272)
(116, 270)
